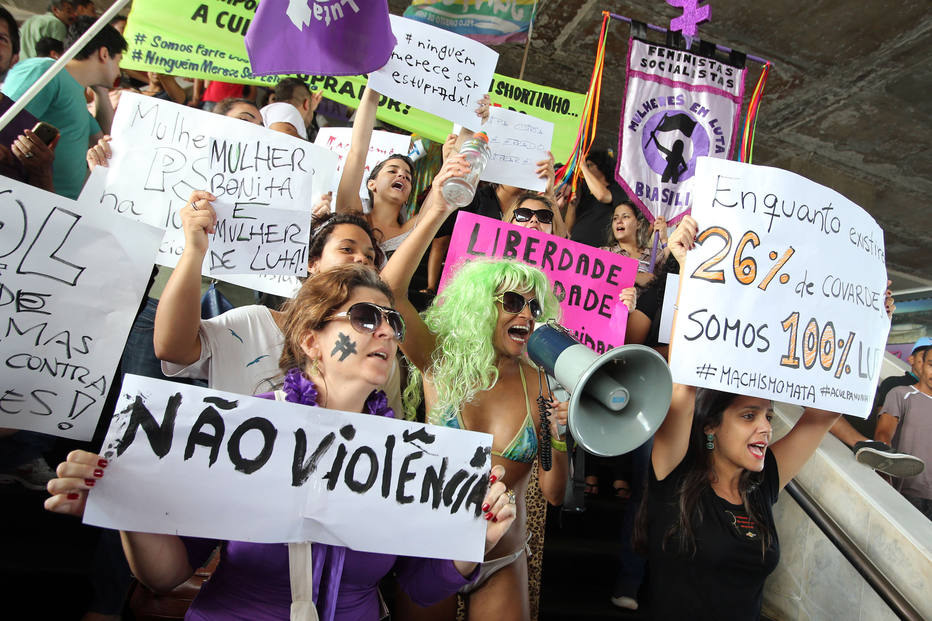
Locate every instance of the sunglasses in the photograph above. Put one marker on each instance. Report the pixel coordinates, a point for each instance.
(513, 303)
(524, 214)
(366, 317)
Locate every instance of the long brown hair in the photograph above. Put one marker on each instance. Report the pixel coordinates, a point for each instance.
(524, 197)
(316, 300)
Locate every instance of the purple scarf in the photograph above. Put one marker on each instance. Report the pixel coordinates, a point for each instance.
(327, 559)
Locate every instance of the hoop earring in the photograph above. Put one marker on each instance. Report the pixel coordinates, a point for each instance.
(710, 441)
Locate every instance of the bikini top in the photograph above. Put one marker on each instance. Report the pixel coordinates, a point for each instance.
(523, 447)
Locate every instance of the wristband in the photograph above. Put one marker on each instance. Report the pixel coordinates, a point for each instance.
(558, 444)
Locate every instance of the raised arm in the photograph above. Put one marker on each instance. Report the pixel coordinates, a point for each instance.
(796, 447)
(672, 439)
(178, 317)
(420, 342)
(354, 167)
(598, 189)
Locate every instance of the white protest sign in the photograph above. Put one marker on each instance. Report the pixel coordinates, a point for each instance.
(671, 287)
(252, 238)
(517, 141)
(71, 279)
(783, 297)
(382, 144)
(163, 151)
(204, 463)
(436, 71)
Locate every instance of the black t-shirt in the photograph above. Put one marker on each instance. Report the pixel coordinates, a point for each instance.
(593, 218)
(724, 579)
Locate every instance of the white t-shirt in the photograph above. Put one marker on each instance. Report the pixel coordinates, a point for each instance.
(240, 351)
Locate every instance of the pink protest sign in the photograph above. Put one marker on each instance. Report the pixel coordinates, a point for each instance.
(585, 280)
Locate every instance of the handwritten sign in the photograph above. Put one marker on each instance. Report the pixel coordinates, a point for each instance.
(382, 144)
(436, 71)
(783, 297)
(252, 238)
(204, 463)
(163, 151)
(517, 141)
(71, 278)
(585, 280)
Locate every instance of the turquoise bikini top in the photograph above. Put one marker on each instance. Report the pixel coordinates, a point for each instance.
(523, 447)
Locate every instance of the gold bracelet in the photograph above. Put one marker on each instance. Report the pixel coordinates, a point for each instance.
(558, 444)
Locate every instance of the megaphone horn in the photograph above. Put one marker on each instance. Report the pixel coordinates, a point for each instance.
(618, 400)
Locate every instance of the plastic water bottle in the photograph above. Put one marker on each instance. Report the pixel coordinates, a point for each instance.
(458, 191)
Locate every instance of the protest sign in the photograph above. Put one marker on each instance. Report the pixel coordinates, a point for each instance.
(436, 71)
(71, 278)
(209, 45)
(783, 298)
(517, 141)
(163, 151)
(678, 107)
(492, 23)
(191, 461)
(585, 280)
(382, 144)
(252, 238)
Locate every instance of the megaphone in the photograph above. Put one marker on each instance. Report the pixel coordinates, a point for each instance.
(618, 400)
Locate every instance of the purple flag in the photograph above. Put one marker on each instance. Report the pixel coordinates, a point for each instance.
(319, 37)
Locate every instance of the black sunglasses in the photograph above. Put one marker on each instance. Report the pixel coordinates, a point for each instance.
(524, 214)
(513, 302)
(366, 317)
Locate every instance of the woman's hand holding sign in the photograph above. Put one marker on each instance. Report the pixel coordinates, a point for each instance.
(76, 475)
(198, 220)
(683, 238)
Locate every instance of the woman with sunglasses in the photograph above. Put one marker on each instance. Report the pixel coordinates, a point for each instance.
(238, 351)
(534, 211)
(469, 350)
(254, 581)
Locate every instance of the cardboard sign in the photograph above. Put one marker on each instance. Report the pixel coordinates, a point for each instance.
(71, 278)
(382, 144)
(163, 151)
(783, 297)
(252, 238)
(585, 280)
(678, 107)
(436, 71)
(517, 141)
(204, 463)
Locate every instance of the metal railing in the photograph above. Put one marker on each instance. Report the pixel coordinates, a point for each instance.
(849, 549)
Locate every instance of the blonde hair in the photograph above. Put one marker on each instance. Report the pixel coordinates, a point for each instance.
(542, 198)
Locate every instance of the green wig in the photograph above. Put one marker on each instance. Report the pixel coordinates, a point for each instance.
(463, 317)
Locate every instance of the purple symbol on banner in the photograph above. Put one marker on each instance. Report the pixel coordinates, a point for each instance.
(693, 14)
(671, 143)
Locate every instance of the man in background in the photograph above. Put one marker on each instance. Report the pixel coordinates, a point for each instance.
(62, 14)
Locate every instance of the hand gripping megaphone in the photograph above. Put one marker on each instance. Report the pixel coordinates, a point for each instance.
(618, 400)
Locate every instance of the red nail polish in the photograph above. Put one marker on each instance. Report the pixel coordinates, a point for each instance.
(74, 496)
(102, 463)
(90, 482)
(488, 516)
(98, 473)
(494, 519)
(485, 507)
(493, 479)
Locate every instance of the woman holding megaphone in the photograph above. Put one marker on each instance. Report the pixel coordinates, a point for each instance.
(707, 521)
(469, 351)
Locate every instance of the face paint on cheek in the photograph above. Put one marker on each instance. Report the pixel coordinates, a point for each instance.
(344, 346)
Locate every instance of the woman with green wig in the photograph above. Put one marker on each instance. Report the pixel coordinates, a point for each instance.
(469, 351)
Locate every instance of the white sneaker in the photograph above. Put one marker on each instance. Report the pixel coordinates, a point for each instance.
(626, 602)
(879, 456)
(32, 475)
